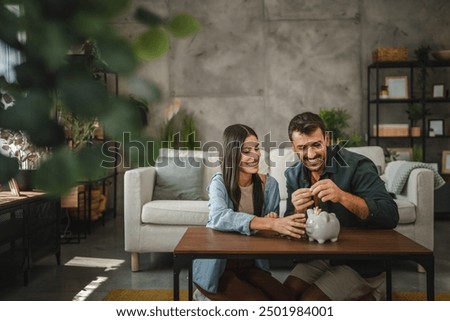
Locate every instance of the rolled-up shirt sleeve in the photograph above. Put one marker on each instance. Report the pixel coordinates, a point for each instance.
(383, 211)
(221, 216)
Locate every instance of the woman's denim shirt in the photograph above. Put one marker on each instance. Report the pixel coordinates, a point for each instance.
(222, 217)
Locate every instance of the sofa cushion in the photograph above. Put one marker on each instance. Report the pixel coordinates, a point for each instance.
(178, 179)
(175, 212)
(374, 153)
(406, 211)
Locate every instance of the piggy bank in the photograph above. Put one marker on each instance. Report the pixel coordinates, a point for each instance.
(322, 226)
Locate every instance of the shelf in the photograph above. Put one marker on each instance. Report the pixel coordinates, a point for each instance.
(408, 64)
(395, 101)
(437, 100)
(394, 137)
(393, 64)
(379, 110)
(413, 137)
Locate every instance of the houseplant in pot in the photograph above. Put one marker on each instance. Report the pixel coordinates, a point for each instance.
(415, 113)
(336, 122)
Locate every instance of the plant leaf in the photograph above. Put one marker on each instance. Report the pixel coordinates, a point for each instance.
(183, 25)
(152, 44)
(58, 174)
(147, 17)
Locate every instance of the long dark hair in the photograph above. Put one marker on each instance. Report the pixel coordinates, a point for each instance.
(233, 139)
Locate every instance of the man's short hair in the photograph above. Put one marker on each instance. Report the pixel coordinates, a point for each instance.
(306, 123)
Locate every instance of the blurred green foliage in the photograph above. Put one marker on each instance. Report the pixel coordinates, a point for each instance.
(336, 122)
(180, 132)
(49, 29)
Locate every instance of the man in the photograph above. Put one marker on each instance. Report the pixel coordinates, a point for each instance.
(347, 184)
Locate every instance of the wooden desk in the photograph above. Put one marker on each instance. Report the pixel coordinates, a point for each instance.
(29, 230)
(386, 245)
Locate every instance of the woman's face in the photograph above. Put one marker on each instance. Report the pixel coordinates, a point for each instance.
(250, 155)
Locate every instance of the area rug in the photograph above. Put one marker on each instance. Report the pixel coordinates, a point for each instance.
(167, 295)
(418, 296)
(143, 295)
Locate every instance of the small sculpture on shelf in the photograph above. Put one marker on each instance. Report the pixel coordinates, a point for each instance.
(384, 92)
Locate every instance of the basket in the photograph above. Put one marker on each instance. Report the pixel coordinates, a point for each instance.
(98, 205)
(390, 54)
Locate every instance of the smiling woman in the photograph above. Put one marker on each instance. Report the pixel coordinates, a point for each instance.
(245, 201)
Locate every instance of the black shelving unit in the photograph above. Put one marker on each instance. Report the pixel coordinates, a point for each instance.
(83, 218)
(419, 84)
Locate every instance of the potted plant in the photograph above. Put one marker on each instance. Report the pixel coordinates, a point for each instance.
(415, 113)
(417, 153)
(336, 121)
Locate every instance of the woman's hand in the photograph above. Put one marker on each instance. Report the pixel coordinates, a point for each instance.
(272, 215)
(292, 225)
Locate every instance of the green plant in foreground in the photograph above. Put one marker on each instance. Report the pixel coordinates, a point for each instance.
(51, 29)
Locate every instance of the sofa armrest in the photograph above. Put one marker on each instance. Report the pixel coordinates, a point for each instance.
(420, 191)
(138, 190)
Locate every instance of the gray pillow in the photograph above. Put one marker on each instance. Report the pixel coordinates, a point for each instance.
(178, 179)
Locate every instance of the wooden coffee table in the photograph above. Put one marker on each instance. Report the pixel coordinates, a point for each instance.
(360, 244)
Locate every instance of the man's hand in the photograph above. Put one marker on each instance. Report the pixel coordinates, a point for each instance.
(302, 199)
(327, 190)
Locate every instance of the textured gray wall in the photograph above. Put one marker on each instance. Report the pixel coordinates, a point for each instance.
(260, 62)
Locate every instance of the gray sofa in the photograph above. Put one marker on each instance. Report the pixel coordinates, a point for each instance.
(161, 202)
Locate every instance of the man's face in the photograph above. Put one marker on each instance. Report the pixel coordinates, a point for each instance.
(311, 149)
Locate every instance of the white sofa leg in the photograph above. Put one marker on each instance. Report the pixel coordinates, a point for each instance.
(134, 262)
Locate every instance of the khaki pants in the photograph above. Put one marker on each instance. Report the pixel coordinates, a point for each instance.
(340, 282)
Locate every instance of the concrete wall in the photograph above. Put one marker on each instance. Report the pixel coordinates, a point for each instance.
(260, 62)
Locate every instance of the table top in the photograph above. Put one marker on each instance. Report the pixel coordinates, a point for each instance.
(6, 198)
(351, 241)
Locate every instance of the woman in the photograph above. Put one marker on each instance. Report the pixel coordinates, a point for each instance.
(241, 200)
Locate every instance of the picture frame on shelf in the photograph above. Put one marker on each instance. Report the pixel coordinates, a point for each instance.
(438, 91)
(397, 86)
(400, 153)
(436, 126)
(445, 167)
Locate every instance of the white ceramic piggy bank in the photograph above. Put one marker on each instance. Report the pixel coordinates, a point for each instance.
(322, 226)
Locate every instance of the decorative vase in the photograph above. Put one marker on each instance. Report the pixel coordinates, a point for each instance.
(24, 179)
(415, 131)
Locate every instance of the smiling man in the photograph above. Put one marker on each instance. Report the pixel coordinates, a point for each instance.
(347, 184)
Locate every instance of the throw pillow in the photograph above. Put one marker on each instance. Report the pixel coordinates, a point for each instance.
(178, 179)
